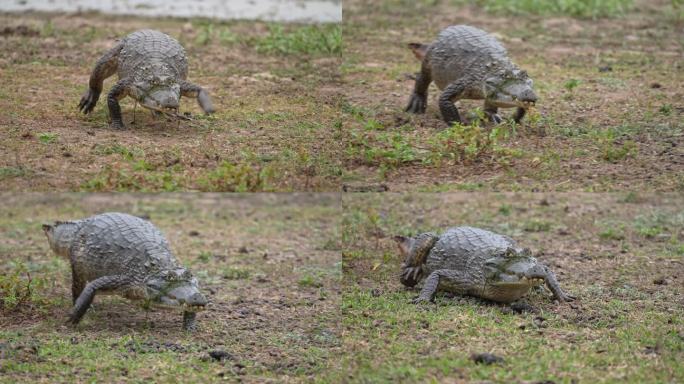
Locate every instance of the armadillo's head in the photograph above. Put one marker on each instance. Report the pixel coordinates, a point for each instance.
(175, 288)
(60, 236)
(158, 89)
(510, 88)
(515, 268)
(414, 250)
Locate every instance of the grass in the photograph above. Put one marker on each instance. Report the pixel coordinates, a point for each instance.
(21, 287)
(375, 144)
(311, 40)
(227, 177)
(9, 172)
(577, 8)
(47, 137)
(623, 328)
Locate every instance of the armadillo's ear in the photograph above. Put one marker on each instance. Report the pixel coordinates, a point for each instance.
(404, 244)
(47, 227)
(419, 50)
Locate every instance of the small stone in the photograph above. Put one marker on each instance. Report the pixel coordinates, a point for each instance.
(193, 233)
(660, 281)
(486, 358)
(219, 355)
(656, 85)
(523, 307)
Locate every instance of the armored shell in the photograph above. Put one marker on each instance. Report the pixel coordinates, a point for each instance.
(119, 244)
(463, 49)
(144, 51)
(467, 249)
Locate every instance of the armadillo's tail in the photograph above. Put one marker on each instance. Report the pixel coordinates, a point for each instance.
(419, 50)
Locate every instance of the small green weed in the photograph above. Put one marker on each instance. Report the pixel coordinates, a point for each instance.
(19, 288)
(310, 280)
(571, 84)
(110, 149)
(47, 137)
(666, 109)
(204, 256)
(467, 143)
(8, 172)
(234, 273)
(536, 225)
(134, 176)
(612, 233)
(240, 177)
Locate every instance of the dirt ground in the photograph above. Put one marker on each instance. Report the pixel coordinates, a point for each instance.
(609, 115)
(621, 254)
(275, 127)
(269, 264)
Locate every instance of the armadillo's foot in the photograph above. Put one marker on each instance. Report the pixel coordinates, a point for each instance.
(565, 297)
(118, 125)
(417, 104)
(494, 118)
(189, 323)
(420, 300)
(88, 101)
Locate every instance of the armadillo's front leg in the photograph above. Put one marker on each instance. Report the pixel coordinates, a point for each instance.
(519, 114)
(189, 323)
(492, 113)
(118, 92)
(195, 91)
(456, 279)
(86, 297)
(554, 287)
(447, 99)
(104, 68)
(418, 101)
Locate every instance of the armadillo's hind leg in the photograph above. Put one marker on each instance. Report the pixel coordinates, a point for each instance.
(449, 96)
(86, 297)
(554, 287)
(76, 286)
(118, 92)
(418, 101)
(456, 279)
(104, 68)
(195, 91)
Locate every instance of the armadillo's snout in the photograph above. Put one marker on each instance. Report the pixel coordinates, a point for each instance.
(170, 102)
(197, 300)
(528, 97)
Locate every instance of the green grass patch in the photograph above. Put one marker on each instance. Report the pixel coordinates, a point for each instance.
(47, 137)
(138, 175)
(235, 273)
(19, 287)
(576, 8)
(240, 177)
(8, 172)
(323, 39)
